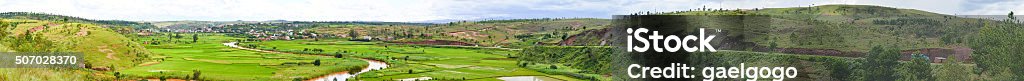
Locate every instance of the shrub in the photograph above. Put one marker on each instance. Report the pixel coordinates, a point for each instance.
(316, 62)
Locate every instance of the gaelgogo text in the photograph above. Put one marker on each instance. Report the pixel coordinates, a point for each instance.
(660, 43)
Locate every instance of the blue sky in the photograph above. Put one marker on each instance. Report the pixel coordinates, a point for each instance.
(441, 10)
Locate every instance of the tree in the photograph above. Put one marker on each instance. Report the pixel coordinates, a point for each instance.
(177, 36)
(523, 64)
(918, 69)
(195, 37)
(3, 26)
(195, 74)
(117, 75)
(316, 62)
(952, 70)
(163, 78)
(997, 50)
(772, 46)
(841, 69)
(879, 64)
(337, 55)
(31, 43)
(1011, 15)
(352, 34)
(795, 39)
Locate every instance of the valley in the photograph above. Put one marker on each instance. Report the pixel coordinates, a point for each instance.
(827, 42)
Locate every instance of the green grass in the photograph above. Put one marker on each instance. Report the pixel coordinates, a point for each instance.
(218, 62)
(440, 63)
(102, 48)
(835, 26)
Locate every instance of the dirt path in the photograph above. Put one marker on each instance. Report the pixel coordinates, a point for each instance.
(82, 32)
(110, 53)
(235, 45)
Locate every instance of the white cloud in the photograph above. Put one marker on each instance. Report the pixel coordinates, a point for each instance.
(427, 10)
(158, 10)
(999, 8)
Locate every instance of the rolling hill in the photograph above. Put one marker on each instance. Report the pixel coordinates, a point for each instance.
(838, 27)
(103, 48)
(502, 33)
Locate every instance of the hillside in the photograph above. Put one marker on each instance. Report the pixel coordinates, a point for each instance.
(857, 27)
(103, 48)
(838, 27)
(845, 27)
(505, 33)
(62, 18)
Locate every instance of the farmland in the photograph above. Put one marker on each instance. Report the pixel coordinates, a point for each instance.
(216, 61)
(418, 61)
(829, 42)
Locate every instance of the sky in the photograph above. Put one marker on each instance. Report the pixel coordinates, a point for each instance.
(442, 10)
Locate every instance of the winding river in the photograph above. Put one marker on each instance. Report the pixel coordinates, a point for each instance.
(336, 76)
(341, 76)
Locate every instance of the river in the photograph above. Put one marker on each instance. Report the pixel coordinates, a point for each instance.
(341, 76)
(336, 76)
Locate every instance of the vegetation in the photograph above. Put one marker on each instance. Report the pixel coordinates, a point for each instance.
(117, 25)
(837, 26)
(574, 49)
(585, 62)
(439, 63)
(997, 50)
(493, 33)
(879, 64)
(103, 48)
(953, 70)
(216, 61)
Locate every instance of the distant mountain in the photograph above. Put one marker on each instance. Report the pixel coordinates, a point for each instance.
(506, 33)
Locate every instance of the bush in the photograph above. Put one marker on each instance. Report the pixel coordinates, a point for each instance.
(595, 59)
(195, 74)
(880, 64)
(316, 62)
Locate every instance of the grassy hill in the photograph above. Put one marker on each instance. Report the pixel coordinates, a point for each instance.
(113, 24)
(829, 28)
(839, 27)
(507, 33)
(855, 27)
(103, 48)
